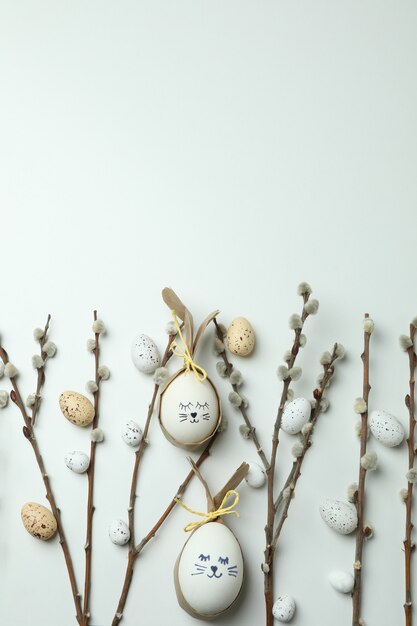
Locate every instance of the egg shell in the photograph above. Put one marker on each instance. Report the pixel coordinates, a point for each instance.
(189, 409)
(284, 608)
(341, 581)
(340, 516)
(145, 354)
(386, 428)
(76, 408)
(119, 532)
(295, 415)
(208, 586)
(38, 521)
(78, 462)
(256, 476)
(240, 338)
(131, 433)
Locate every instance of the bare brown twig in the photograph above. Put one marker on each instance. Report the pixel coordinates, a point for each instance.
(29, 433)
(41, 372)
(360, 494)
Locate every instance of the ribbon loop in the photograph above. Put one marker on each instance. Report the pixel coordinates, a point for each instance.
(189, 364)
(212, 515)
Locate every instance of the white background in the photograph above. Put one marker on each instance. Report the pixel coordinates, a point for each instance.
(229, 150)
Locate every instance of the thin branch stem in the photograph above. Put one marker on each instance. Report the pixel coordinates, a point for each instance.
(41, 372)
(29, 433)
(252, 430)
(408, 541)
(360, 496)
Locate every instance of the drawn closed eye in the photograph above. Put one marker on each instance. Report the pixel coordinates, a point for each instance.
(205, 405)
(224, 561)
(203, 557)
(185, 407)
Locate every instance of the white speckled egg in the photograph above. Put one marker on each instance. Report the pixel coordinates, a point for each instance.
(189, 409)
(284, 608)
(341, 581)
(209, 570)
(340, 516)
(132, 433)
(119, 532)
(386, 428)
(76, 408)
(240, 338)
(78, 462)
(145, 354)
(38, 521)
(256, 476)
(295, 415)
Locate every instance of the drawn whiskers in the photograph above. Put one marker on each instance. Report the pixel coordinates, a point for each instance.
(206, 416)
(183, 417)
(200, 569)
(232, 571)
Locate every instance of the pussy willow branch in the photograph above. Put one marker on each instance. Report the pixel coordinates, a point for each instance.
(41, 372)
(290, 484)
(29, 433)
(133, 486)
(242, 408)
(133, 554)
(360, 495)
(88, 547)
(269, 527)
(408, 542)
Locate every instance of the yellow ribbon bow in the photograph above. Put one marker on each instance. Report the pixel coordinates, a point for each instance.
(189, 364)
(212, 515)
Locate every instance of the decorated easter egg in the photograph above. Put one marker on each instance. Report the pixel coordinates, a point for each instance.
(145, 354)
(386, 428)
(284, 608)
(341, 581)
(295, 415)
(209, 571)
(38, 521)
(119, 532)
(240, 338)
(256, 476)
(189, 409)
(76, 408)
(340, 516)
(131, 433)
(78, 462)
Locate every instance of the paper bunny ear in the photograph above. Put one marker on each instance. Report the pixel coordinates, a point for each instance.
(233, 482)
(203, 327)
(210, 500)
(175, 304)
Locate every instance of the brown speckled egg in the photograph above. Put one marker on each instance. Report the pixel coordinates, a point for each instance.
(240, 337)
(38, 521)
(76, 408)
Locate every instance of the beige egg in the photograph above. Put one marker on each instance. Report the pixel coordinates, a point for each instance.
(38, 521)
(240, 337)
(76, 408)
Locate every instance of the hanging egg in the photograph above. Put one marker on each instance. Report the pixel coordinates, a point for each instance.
(341, 581)
(78, 462)
(284, 608)
(386, 428)
(340, 516)
(240, 338)
(131, 433)
(256, 476)
(38, 521)
(119, 532)
(208, 573)
(295, 415)
(189, 409)
(145, 354)
(76, 408)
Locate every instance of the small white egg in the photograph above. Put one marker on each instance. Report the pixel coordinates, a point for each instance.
(77, 462)
(386, 428)
(341, 581)
(339, 516)
(119, 532)
(295, 415)
(145, 354)
(284, 608)
(131, 433)
(256, 476)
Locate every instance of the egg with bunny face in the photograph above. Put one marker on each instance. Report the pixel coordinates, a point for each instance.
(189, 409)
(209, 571)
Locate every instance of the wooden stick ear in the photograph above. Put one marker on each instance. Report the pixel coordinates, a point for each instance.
(210, 501)
(203, 327)
(232, 483)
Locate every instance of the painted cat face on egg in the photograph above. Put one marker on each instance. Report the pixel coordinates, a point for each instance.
(214, 568)
(189, 409)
